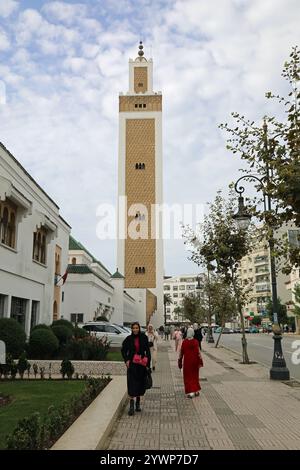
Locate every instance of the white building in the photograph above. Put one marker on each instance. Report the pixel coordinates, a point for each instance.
(177, 288)
(91, 291)
(140, 242)
(33, 247)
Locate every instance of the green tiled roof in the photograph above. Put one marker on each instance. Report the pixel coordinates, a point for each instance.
(117, 275)
(85, 269)
(77, 246)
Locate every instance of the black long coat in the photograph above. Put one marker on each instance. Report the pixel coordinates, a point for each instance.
(136, 374)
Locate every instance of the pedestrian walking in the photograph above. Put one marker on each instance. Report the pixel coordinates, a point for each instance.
(198, 334)
(167, 332)
(190, 360)
(153, 340)
(178, 339)
(137, 357)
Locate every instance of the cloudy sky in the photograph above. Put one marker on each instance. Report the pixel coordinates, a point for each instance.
(63, 64)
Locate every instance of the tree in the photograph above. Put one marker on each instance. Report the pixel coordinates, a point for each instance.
(179, 312)
(256, 320)
(167, 301)
(220, 247)
(192, 310)
(282, 312)
(296, 309)
(274, 150)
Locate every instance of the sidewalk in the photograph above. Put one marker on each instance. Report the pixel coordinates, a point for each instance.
(238, 408)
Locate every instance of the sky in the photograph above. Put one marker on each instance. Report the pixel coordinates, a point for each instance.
(63, 64)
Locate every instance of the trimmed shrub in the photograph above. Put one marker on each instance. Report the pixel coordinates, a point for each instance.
(67, 369)
(63, 322)
(88, 348)
(23, 365)
(13, 335)
(80, 332)
(41, 326)
(62, 333)
(42, 344)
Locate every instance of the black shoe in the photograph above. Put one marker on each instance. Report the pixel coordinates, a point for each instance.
(131, 408)
(153, 368)
(138, 405)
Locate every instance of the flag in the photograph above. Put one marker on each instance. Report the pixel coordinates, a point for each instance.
(64, 277)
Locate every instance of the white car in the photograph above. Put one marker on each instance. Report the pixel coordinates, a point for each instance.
(114, 334)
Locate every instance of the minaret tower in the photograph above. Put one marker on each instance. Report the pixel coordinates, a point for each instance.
(140, 257)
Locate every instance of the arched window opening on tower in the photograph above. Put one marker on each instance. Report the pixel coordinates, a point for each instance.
(140, 166)
(140, 270)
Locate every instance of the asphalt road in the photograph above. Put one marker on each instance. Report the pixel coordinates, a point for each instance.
(260, 348)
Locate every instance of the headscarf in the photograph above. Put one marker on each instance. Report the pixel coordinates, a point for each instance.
(150, 327)
(195, 326)
(190, 333)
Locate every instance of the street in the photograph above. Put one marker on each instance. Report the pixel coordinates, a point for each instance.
(260, 348)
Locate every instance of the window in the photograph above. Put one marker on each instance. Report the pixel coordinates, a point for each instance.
(76, 318)
(55, 313)
(111, 329)
(175, 287)
(140, 105)
(99, 328)
(166, 287)
(57, 264)
(181, 287)
(191, 287)
(8, 212)
(140, 166)
(135, 105)
(34, 313)
(144, 105)
(73, 260)
(140, 270)
(18, 310)
(175, 294)
(140, 84)
(39, 245)
(3, 300)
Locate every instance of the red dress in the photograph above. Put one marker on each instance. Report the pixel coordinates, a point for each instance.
(191, 362)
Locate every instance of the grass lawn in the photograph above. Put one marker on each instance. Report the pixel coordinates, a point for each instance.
(30, 396)
(114, 356)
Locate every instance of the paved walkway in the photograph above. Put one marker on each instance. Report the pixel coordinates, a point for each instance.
(238, 408)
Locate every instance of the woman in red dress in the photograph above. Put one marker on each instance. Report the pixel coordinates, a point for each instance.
(191, 357)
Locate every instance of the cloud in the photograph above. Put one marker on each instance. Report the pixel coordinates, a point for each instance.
(66, 62)
(7, 7)
(4, 41)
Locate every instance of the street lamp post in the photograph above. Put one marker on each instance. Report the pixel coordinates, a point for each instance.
(278, 371)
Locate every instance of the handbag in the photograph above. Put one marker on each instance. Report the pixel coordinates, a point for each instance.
(138, 359)
(148, 379)
(150, 344)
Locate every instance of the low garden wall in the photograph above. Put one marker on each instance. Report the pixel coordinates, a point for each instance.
(97, 368)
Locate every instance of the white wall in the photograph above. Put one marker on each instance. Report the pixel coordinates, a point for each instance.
(84, 293)
(20, 275)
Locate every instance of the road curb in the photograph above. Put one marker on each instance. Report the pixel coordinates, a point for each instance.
(258, 362)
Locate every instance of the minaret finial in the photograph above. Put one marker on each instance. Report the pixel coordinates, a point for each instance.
(141, 47)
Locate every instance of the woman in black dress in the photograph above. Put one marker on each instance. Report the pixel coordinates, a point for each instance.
(135, 348)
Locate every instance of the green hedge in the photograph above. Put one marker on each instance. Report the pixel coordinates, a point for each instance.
(42, 344)
(62, 333)
(13, 335)
(63, 322)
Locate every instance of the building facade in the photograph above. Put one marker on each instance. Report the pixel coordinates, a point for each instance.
(255, 275)
(91, 291)
(33, 248)
(177, 288)
(140, 244)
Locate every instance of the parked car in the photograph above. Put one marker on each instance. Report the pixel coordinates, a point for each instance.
(254, 329)
(247, 330)
(114, 334)
(237, 330)
(225, 330)
(125, 328)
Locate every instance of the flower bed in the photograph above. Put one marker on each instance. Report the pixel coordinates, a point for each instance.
(41, 428)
